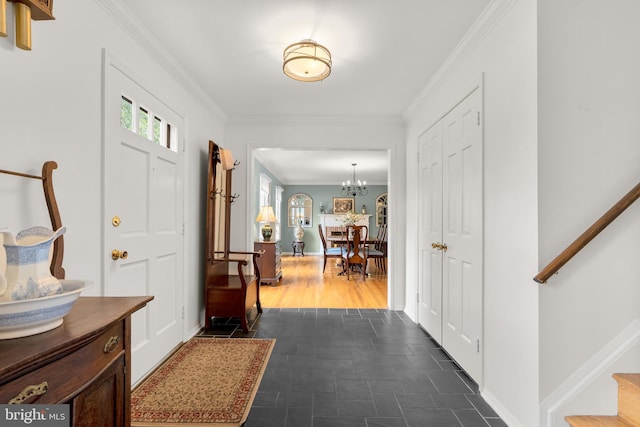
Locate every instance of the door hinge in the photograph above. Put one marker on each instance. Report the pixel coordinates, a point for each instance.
(418, 297)
(478, 346)
(418, 157)
(478, 118)
(183, 312)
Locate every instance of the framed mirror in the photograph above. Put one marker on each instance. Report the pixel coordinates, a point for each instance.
(381, 209)
(300, 210)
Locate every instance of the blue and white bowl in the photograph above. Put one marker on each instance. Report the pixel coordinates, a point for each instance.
(33, 316)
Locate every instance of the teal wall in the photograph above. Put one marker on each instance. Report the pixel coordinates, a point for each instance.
(321, 195)
(324, 194)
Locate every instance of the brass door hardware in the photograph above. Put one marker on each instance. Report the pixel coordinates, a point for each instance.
(115, 221)
(116, 254)
(440, 246)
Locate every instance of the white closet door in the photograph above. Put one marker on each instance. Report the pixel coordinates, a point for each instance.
(451, 219)
(430, 229)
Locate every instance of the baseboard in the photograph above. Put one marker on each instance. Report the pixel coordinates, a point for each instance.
(500, 409)
(596, 366)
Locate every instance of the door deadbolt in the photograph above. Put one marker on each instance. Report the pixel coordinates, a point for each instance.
(116, 254)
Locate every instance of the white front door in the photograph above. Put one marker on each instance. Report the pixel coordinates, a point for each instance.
(143, 211)
(456, 259)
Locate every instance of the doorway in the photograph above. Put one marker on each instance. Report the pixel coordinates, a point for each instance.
(327, 189)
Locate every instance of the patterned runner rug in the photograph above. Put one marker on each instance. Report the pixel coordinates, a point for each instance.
(207, 382)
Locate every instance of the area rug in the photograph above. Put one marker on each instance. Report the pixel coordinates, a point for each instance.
(207, 382)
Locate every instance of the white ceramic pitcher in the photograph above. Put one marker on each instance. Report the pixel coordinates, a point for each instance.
(28, 272)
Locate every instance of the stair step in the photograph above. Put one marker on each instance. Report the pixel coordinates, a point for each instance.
(597, 421)
(629, 397)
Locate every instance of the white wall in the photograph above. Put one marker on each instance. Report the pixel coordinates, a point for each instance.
(331, 134)
(51, 110)
(589, 152)
(502, 48)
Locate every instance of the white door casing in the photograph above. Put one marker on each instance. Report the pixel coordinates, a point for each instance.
(459, 327)
(143, 188)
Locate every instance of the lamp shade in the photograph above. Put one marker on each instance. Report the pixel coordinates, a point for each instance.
(307, 61)
(266, 215)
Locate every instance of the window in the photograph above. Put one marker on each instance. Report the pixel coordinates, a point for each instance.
(265, 190)
(381, 209)
(142, 121)
(278, 209)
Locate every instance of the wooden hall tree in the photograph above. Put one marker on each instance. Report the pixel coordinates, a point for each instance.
(225, 294)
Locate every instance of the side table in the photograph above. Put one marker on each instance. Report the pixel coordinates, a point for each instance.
(298, 247)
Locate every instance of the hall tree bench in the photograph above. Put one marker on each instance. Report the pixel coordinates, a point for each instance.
(229, 288)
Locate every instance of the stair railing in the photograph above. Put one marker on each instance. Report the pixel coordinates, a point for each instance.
(575, 247)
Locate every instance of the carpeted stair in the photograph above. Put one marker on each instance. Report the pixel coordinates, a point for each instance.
(628, 406)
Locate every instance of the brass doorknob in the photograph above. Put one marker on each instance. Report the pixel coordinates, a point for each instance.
(441, 246)
(116, 254)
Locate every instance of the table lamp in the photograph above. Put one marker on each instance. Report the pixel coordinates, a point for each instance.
(267, 216)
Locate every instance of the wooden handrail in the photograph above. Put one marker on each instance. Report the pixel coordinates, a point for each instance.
(588, 235)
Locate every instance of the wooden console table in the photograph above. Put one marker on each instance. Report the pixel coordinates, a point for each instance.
(85, 362)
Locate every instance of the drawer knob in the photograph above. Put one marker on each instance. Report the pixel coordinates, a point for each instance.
(29, 392)
(112, 344)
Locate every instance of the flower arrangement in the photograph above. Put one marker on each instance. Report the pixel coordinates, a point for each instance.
(350, 218)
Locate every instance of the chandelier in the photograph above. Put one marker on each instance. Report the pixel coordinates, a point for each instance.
(307, 61)
(354, 187)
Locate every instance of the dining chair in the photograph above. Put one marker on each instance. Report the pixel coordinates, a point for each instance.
(355, 252)
(378, 251)
(329, 252)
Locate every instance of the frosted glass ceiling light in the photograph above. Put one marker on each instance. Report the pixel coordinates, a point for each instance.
(307, 61)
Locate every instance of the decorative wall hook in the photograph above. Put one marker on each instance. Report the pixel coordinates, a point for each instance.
(25, 11)
(236, 163)
(233, 197)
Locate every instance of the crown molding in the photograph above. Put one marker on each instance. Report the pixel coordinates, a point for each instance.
(488, 19)
(327, 120)
(119, 12)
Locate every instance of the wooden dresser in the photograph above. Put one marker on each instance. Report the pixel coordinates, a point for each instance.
(270, 262)
(85, 362)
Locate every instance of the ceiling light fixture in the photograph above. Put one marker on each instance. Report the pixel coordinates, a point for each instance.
(356, 187)
(307, 61)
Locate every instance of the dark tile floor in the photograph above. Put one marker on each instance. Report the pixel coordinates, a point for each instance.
(357, 368)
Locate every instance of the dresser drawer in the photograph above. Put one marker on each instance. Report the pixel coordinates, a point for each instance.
(60, 380)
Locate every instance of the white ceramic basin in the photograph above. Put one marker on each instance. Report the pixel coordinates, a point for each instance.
(33, 316)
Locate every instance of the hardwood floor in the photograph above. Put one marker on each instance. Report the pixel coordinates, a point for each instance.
(305, 286)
